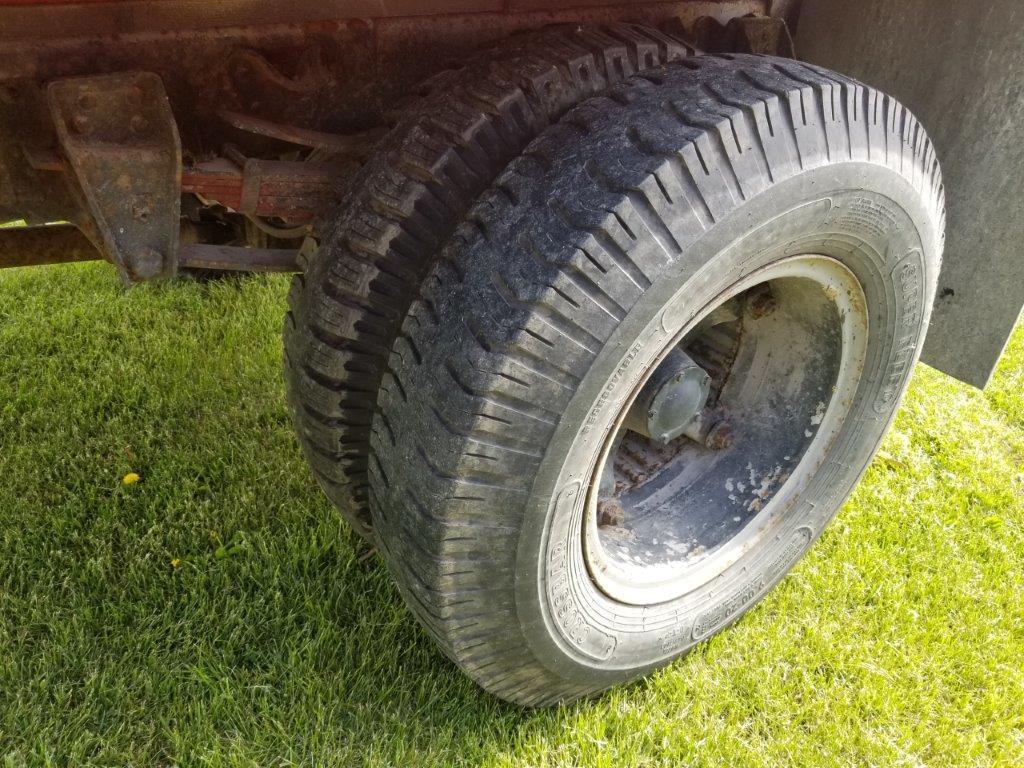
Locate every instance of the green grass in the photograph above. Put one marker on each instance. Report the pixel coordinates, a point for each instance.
(218, 613)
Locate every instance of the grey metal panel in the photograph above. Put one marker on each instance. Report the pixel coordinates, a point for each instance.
(959, 66)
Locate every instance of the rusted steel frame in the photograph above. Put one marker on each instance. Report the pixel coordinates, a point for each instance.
(35, 246)
(342, 73)
(99, 17)
(28, 192)
(338, 74)
(235, 259)
(121, 142)
(356, 144)
(295, 192)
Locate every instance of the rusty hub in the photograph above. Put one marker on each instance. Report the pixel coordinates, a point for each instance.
(772, 365)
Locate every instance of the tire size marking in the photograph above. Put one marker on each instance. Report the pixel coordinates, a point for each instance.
(609, 388)
(572, 623)
(675, 639)
(908, 279)
(867, 216)
(714, 618)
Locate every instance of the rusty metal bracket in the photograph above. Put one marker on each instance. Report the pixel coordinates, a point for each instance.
(33, 246)
(27, 192)
(355, 144)
(120, 140)
(294, 192)
(234, 259)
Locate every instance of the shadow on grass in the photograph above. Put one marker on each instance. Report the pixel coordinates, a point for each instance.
(218, 608)
(219, 613)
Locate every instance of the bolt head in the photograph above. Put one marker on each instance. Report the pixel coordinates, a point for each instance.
(720, 436)
(81, 124)
(610, 513)
(763, 304)
(145, 263)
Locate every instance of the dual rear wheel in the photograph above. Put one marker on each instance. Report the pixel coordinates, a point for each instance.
(629, 390)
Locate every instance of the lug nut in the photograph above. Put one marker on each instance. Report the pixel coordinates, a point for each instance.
(610, 513)
(762, 303)
(719, 436)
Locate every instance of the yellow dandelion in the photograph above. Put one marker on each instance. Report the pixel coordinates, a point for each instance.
(130, 479)
(175, 562)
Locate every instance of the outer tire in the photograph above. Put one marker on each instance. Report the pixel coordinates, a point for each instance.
(406, 201)
(613, 226)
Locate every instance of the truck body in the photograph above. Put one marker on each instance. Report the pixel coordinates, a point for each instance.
(343, 67)
(600, 308)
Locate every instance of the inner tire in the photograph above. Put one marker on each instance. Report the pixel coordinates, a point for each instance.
(790, 209)
(448, 146)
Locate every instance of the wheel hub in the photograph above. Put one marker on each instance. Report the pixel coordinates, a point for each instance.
(672, 399)
(729, 423)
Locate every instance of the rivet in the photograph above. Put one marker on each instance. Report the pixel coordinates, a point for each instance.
(81, 124)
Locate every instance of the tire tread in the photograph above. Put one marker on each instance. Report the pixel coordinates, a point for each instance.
(450, 540)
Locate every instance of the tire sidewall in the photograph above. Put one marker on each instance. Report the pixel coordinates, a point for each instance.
(866, 216)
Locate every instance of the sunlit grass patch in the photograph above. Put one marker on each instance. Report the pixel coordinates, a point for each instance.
(215, 611)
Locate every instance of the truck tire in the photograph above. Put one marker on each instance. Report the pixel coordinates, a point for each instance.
(448, 146)
(769, 232)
